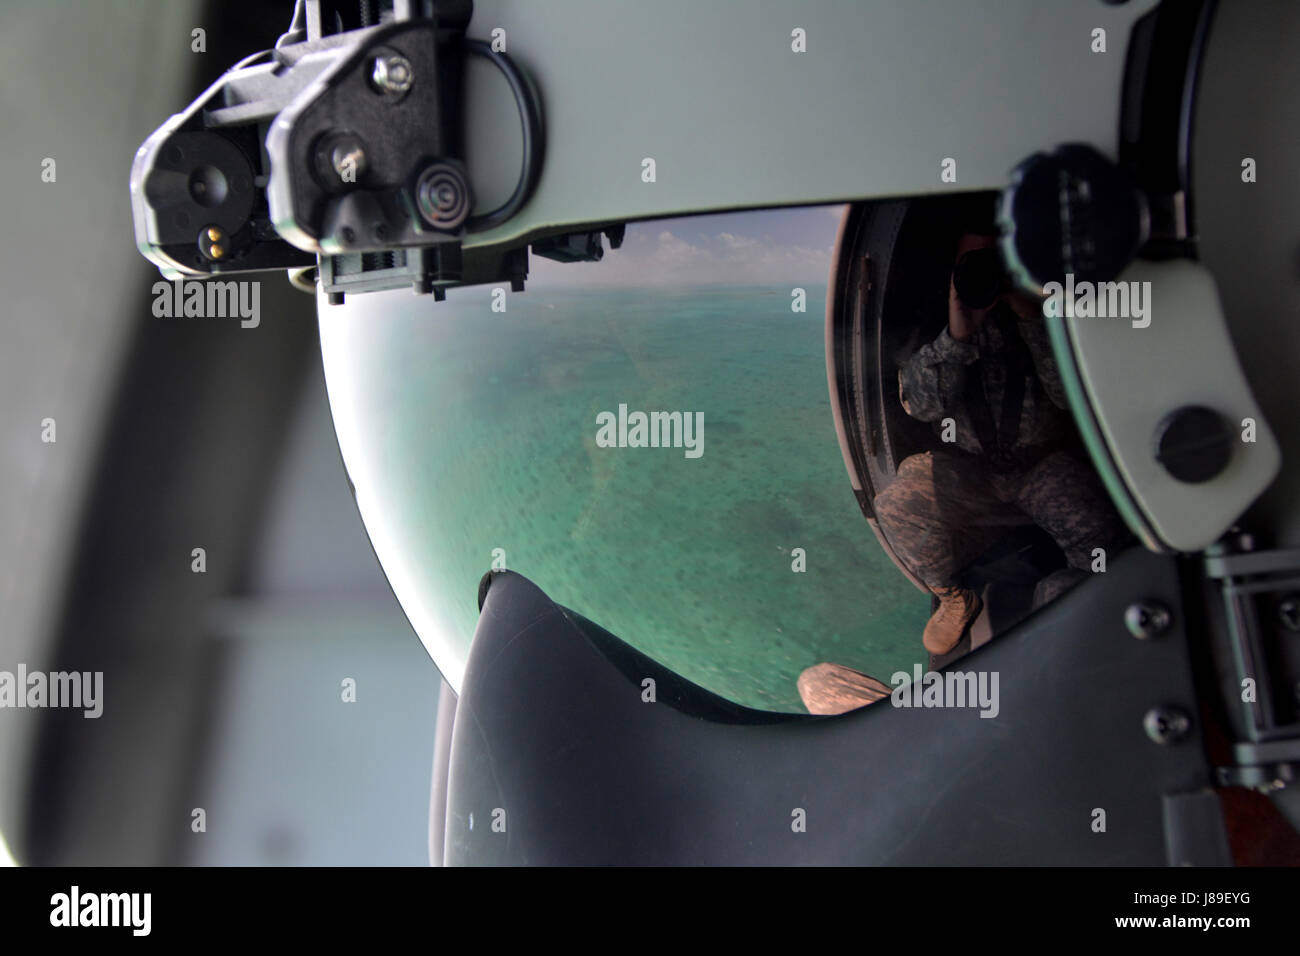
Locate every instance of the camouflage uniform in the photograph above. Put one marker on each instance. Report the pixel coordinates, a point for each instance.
(945, 507)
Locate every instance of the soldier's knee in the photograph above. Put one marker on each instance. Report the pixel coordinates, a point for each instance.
(913, 478)
(1063, 469)
(889, 502)
(916, 466)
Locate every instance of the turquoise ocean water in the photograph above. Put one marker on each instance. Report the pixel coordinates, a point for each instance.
(687, 559)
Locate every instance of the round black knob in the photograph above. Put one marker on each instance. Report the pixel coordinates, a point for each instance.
(1070, 211)
(1193, 444)
(442, 195)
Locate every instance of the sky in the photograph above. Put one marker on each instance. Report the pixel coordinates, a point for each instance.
(757, 247)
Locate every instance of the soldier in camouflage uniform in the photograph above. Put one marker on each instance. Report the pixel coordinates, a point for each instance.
(990, 372)
(990, 381)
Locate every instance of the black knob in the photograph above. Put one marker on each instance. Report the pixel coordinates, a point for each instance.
(1070, 211)
(1194, 444)
(442, 196)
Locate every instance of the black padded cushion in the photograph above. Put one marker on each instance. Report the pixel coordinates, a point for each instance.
(554, 744)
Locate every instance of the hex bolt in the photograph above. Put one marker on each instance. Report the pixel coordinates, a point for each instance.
(392, 74)
(1147, 619)
(1166, 725)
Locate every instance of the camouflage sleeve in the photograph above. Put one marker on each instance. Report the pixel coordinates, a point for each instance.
(1034, 332)
(930, 383)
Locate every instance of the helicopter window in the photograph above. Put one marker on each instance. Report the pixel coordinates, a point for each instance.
(648, 438)
(651, 439)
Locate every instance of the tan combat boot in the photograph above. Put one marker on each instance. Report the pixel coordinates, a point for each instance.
(957, 608)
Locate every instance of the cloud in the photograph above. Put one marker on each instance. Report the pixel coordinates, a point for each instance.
(738, 242)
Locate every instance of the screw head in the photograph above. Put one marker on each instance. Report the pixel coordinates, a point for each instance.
(392, 74)
(1147, 619)
(348, 160)
(1166, 725)
(339, 161)
(1288, 611)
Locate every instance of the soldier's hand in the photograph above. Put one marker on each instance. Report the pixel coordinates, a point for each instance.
(962, 321)
(1025, 306)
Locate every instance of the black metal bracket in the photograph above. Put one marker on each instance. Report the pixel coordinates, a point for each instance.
(1261, 594)
(1160, 80)
(579, 246)
(342, 147)
(1073, 210)
(368, 158)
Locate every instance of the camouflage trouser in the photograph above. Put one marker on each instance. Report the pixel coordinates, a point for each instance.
(945, 508)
